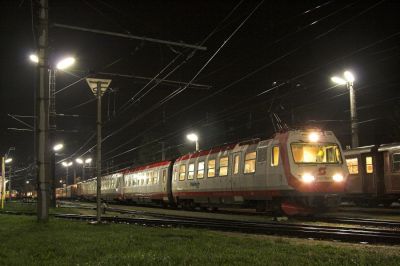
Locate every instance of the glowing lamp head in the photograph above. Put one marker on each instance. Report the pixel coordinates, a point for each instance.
(338, 178)
(34, 58)
(192, 137)
(313, 137)
(65, 63)
(338, 80)
(8, 160)
(58, 147)
(79, 160)
(88, 160)
(349, 76)
(307, 178)
(67, 164)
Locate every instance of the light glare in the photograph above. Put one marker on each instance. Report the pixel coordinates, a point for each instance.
(349, 76)
(67, 164)
(34, 58)
(338, 80)
(192, 137)
(79, 160)
(308, 178)
(313, 137)
(8, 160)
(58, 147)
(88, 160)
(65, 63)
(337, 178)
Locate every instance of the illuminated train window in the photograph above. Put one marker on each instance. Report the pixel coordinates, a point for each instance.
(368, 165)
(182, 172)
(316, 153)
(191, 171)
(396, 162)
(211, 168)
(352, 165)
(200, 170)
(275, 156)
(223, 166)
(250, 163)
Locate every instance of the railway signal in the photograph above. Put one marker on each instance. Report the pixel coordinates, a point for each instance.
(98, 87)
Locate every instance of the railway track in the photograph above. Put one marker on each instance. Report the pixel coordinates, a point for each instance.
(272, 228)
(363, 235)
(325, 219)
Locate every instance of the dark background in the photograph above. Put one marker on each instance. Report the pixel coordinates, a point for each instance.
(280, 61)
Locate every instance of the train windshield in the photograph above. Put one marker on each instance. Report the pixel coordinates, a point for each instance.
(318, 153)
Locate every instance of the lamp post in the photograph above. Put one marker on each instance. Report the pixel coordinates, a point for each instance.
(45, 123)
(9, 160)
(83, 162)
(348, 80)
(195, 138)
(56, 148)
(67, 165)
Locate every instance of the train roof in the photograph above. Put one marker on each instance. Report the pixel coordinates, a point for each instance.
(369, 148)
(147, 166)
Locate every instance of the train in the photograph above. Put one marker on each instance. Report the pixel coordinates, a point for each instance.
(295, 171)
(374, 175)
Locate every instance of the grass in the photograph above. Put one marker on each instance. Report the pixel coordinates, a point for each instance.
(23, 241)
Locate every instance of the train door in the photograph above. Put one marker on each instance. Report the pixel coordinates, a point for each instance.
(236, 159)
(369, 179)
(274, 171)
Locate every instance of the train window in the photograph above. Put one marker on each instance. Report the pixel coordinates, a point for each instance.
(316, 153)
(175, 174)
(368, 165)
(352, 165)
(223, 166)
(200, 170)
(236, 163)
(250, 162)
(182, 172)
(164, 175)
(211, 168)
(191, 171)
(396, 162)
(275, 156)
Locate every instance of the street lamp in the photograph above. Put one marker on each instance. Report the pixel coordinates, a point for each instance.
(348, 80)
(8, 160)
(67, 165)
(58, 147)
(45, 123)
(195, 138)
(83, 162)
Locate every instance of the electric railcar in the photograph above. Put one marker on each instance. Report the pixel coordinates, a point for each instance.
(374, 174)
(298, 171)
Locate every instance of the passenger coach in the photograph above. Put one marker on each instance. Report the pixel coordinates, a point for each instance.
(295, 170)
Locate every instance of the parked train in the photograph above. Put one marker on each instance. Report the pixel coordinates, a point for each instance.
(297, 171)
(374, 174)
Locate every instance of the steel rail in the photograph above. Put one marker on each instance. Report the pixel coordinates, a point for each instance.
(315, 232)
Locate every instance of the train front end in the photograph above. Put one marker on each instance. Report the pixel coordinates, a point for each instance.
(315, 170)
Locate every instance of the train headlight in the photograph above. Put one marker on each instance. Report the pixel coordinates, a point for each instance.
(313, 137)
(338, 178)
(307, 178)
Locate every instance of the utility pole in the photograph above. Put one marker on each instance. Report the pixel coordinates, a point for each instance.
(98, 87)
(3, 182)
(52, 133)
(42, 111)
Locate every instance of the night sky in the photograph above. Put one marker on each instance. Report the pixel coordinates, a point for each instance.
(278, 60)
